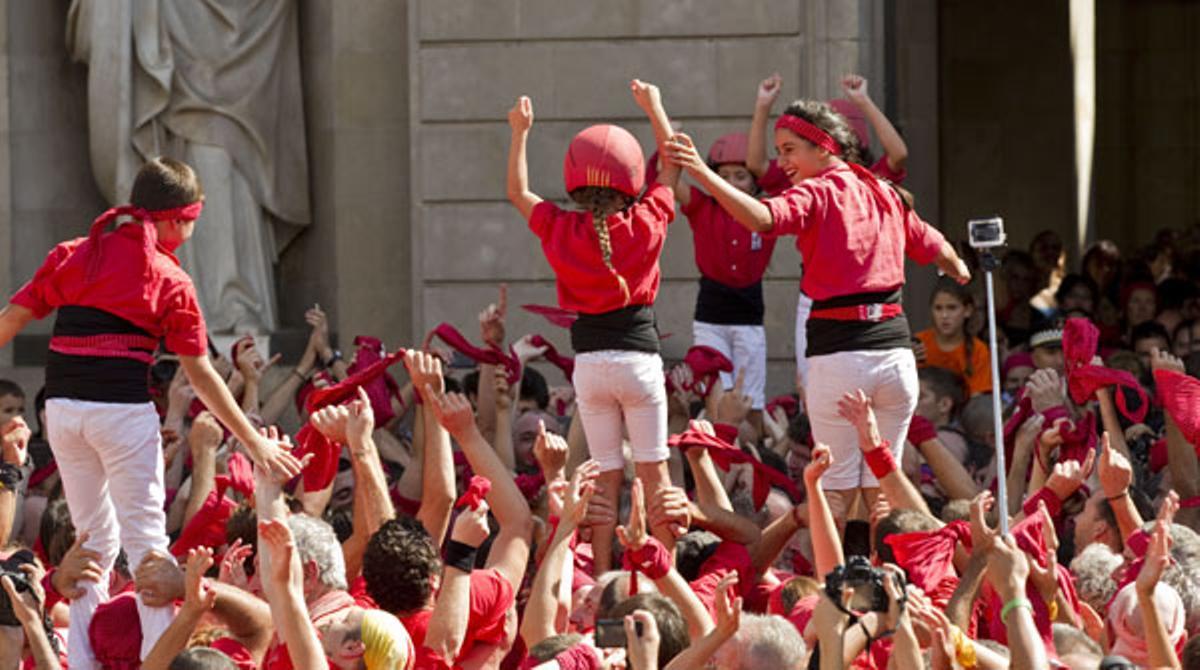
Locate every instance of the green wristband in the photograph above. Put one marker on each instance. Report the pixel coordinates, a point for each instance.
(1012, 605)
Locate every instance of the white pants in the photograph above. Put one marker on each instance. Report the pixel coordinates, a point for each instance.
(803, 309)
(746, 346)
(612, 387)
(889, 378)
(110, 458)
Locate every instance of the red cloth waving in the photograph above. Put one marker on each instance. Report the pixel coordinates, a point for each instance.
(928, 558)
(487, 355)
(476, 491)
(1080, 341)
(1179, 394)
(725, 454)
(564, 363)
(707, 364)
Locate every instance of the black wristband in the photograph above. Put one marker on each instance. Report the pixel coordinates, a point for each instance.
(460, 556)
(10, 476)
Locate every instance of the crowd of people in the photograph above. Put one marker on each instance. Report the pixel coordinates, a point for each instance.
(611, 511)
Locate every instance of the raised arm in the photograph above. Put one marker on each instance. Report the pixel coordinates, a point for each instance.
(282, 395)
(452, 611)
(827, 545)
(13, 318)
(283, 583)
(649, 99)
(1116, 476)
(756, 154)
(900, 492)
(198, 600)
(437, 470)
(744, 208)
(855, 88)
(510, 550)
(520, 119)
(265, 453)
(1158, 557)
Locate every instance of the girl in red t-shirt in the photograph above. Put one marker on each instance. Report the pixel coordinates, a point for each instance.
(948, 344)
(605, 259)
(854, 233)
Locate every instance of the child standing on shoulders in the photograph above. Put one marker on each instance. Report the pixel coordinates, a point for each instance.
(605, 259)
(948, 344)
(853, 232)
(732, 261)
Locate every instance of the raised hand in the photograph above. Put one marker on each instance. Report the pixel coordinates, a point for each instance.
(491, 320)
(471, 526)
(272, 453)
(1027, 434)
(525, 350)
(1158, 557)
(768, 91)
(645, 94)
(250, 361)
(1115, 472)
(1163, 360)
(206, 433)
(452, 410)
(550, 451)
(822, 459)
(233, 565)
(424, 369)
(1069, 476)
(198, 596)
(734, 405)
(633, 534)
(855, 88)
(159, 580)
(855, 407)
(1045, 390)
(504, 392)
(14, 444)
(579, 493)
(283, 570)
(520, 117)
(669, 508)
(318, 338)
(981, 536)
(642, 650)
(728, 606)
(1045, 578)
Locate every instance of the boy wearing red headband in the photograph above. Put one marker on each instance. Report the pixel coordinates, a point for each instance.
(854, 233)
(732, 261)
(605, 260)
(118, 293)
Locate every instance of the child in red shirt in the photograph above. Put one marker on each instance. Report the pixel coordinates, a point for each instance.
(732, 261)
(948, 344)
(856, 109)
(605, 259)
(854, 233)
(118, 293)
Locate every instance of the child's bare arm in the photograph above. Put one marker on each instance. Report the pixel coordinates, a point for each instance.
(649, 98)
(520, 119)
(743, 207)
(756, 154)
(894, 147)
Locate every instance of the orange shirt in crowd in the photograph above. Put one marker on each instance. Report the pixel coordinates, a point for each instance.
(955, 360)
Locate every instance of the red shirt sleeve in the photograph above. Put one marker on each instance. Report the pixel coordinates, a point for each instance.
(697, 205)
(542, 217)
(657, 206)
(883, 169)
(183, 324)
(38, 294)
(922, 242)
(791, 211)
(491, 598)
(236, 651)
(774, 181)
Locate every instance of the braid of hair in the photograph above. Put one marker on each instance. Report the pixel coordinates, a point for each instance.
(601, 227)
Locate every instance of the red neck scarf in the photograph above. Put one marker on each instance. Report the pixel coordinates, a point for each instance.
(189, 212)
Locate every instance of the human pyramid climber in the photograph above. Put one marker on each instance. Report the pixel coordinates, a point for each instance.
(634, 516)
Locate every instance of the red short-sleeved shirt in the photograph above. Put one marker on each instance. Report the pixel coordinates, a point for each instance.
(491, 598)
(569, 240)
(862, 243)
(152, 292)
(775, 181)
(729, 557)
(236, 651)
(726, 251)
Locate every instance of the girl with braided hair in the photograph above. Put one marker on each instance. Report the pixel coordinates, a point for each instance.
(854, 232)
(605, 259)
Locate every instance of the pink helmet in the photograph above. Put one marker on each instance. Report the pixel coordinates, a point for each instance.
(608, 156)
(730, 148)
(854, 117)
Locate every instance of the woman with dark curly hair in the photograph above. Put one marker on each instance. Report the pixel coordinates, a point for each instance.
(854, 232)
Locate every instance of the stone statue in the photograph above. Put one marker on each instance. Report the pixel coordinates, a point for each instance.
(215, 83)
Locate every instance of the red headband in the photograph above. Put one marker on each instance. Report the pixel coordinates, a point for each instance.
(809, 132)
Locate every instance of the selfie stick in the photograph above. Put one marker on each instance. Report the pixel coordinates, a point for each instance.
(990, 263)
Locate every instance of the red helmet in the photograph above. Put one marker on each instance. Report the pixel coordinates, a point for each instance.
(608, 156)
(854, 118)
(729, 148)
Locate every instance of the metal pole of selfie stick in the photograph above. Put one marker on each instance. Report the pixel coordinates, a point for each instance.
(990, 263)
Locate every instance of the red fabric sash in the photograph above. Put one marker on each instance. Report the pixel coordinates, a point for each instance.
(707, 364)
(563, 318)
(564, 363)
(488, 356)
(1180, 396)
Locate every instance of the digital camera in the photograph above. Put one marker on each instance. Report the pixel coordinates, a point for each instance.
(986, 233)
